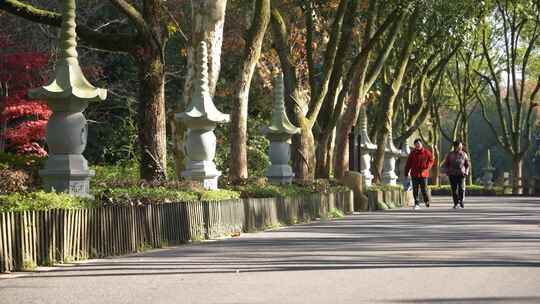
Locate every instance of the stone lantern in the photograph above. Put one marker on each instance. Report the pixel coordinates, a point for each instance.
(279, 132)
(405, 151)
(66, 169)
(391, 153)
(487, 171)
(366, 148)
(201, 118)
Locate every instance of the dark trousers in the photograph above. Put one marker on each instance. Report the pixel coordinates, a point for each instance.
(419, 184)
(457, 183)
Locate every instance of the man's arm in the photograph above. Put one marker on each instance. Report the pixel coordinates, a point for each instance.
(430, 159)
(466, 164)
(407, 166)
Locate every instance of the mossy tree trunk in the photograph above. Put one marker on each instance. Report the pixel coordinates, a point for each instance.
(363, 74)
(239, 115)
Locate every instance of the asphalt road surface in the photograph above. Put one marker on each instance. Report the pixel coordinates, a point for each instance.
(488, 252)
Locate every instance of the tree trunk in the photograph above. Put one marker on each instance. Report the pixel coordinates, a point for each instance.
(303, 158)
(436, 170)
(261, 19)
(341, 162)
(517, 175)
(303, 144)
(151, 117)
(436, 156)
(465, 139)
(323, 154)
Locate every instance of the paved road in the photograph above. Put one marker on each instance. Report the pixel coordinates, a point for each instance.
(486, 253)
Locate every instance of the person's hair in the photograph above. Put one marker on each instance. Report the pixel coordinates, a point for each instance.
(456, 143)
(418, 140)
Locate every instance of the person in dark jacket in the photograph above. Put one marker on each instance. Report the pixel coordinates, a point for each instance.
(418, 164)
(456, 165)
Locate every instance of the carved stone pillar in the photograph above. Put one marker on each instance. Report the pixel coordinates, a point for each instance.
(279, 132)
(201, 118)
(487, 178)
(390, 156)
(366, 148)
(66, 169)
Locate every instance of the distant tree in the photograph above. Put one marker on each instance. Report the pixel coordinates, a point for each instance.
(510, 40)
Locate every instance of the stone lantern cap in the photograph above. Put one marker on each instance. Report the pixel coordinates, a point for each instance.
(405, 150)
(365, 142)
(390, 147)
(201, 109)
(279, 123)
(69, 84)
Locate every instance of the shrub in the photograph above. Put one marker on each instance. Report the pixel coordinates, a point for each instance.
(41, 200)
(153, 195)
(19, 172)
(469, 190)
(14, 181)
(107, 176)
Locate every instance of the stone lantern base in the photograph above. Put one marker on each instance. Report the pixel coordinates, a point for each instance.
(280, 174)
(204, 171)
(389, 175)
(279, 171)
(67, 173)
(365, 165)
(487, 178)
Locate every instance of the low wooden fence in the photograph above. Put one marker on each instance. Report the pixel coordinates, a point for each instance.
(32, 238)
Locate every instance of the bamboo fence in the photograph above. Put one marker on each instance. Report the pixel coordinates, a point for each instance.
(41, 238)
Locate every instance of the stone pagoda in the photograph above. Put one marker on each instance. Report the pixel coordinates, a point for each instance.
(201, 118)
(390, 156)
(487, 176)
(405, 151)
(279, 132)
(366, 148)
(66, 169)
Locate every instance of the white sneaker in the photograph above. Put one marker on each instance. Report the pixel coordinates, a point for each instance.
(416, 206)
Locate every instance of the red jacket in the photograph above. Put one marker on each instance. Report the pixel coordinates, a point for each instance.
(419, 163)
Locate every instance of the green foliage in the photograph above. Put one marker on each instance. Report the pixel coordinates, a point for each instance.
(218, 195)
(335, 213)
(262, 190)
(380, 187)
(41, 200)
(381, 206)
(258, 191)
(257, 149)
(107, 174)
(112, 129)
(470, 190)
(136, 195)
